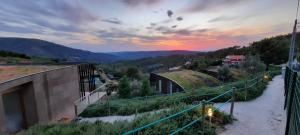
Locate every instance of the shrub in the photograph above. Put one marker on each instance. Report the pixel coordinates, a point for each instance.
(124, 89)
(135, 86)
(224, 73)
(132, 72)
(145, 90)
(253, 64)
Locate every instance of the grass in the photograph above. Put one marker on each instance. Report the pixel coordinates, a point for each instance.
(119, 127)
(189, 79)
(145, 104)
(10, 72)
(17, 60)
(238, 74)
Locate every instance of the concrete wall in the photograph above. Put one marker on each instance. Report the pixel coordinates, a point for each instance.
(46, 96)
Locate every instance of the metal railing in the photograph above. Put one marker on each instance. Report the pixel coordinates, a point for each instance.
(89, 98)
(292, 101)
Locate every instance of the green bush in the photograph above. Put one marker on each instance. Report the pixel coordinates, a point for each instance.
(124, 88)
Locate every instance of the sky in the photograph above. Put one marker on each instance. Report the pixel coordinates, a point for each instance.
(146, 25)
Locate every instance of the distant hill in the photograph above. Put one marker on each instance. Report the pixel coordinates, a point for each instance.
(146, 54)
(41, 48)
(12, 58)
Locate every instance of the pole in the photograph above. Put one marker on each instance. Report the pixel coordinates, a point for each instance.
(232, 102)
(88, 96)
(257, 83)
(203, 115)
(292, 46)
(75, 107)
(246, 90)
(108, 105)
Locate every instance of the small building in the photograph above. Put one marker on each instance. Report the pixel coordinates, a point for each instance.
(164, 85)
(233, 59)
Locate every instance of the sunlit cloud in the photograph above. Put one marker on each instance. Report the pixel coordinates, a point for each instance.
(146, 24)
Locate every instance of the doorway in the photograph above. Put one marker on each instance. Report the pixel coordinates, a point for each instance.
(19, 107)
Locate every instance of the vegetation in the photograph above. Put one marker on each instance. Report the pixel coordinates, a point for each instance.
(145, 104)
(124, 89)
(145, 90)
(11, 72)
(190, 79)
(252, 64)
(12, 54)
(240, 74)
(119, 127)
(273, 50)
(224, 73)
(132, 72)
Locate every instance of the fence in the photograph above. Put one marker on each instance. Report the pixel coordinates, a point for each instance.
(292, 101)
(232, 91)
(89, 98)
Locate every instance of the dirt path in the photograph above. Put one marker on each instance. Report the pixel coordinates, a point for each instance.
(262, 116)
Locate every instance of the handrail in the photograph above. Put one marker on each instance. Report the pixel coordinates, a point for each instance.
(91, 93)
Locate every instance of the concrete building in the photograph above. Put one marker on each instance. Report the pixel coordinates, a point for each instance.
(164, 85)
(39, 98)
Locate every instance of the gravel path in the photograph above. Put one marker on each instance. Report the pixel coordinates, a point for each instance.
(112, 119)
(261, 116)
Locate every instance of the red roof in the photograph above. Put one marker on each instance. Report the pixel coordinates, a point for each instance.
(235, 57)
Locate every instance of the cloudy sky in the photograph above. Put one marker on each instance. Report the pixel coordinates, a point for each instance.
(134, 25)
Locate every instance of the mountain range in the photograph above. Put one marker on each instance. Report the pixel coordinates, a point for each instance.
(42, 48)
(147, 54)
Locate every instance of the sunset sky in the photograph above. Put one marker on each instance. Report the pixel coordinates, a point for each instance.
(134, 25)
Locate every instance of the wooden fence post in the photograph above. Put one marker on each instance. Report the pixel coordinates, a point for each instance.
(256, 83)
(246, 90)
(232, 102)
(76, 112)
(203, 115)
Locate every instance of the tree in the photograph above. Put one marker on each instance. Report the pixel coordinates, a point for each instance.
(272, 50)
(135, 86)
(124, 89)
(224, 73)
(252, 64)
(145, 90)
(132, 72)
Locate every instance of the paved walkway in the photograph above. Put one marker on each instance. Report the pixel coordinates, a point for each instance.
(261, 116)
